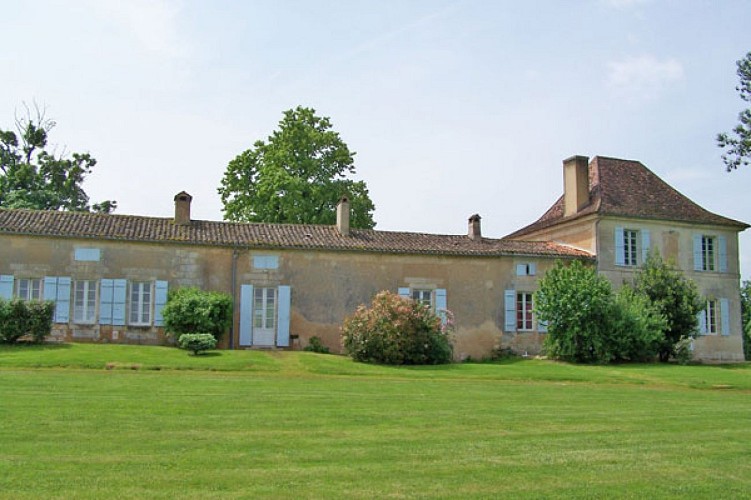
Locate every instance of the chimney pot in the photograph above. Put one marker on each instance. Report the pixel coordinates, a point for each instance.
(575, 184)
(342, 216)
(474, 232)
(182, 208)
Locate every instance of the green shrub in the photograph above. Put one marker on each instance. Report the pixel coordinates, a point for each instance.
(396, 331)
(684, 352)
(746, 318)
(588, 323)
(675, 296)
(576, 303)
(637, 327)
(315, 345)
(190, 310)
(19, 318)
(40, 320)
(197, 342)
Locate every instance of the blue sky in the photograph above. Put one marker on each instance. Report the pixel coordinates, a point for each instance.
(453, 107)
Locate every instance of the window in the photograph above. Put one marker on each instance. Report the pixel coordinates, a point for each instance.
(84, 301)
(29, 289)
(526, 269)
(140, 303)
(524, 311)
(710, 318)
(264, 308)
(710, 253)
(424, 297)
(629, 247)
(707, 253)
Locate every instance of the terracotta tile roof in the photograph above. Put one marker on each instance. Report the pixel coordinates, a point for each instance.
(286, 236)
(627, 188)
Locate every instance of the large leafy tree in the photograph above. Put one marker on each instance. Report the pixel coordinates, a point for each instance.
(296, 176)
(674, 296)
(588, 323)
(35, 178)
(737, 145)
(746, 318)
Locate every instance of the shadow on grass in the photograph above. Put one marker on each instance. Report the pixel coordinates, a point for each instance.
(33, 346)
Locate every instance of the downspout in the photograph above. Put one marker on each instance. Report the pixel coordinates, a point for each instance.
(597, 245)
(234, 298)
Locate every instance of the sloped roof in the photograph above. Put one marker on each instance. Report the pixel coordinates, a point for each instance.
(627, 188)
(282, 236)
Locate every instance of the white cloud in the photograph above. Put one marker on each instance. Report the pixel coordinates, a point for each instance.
(643, 76)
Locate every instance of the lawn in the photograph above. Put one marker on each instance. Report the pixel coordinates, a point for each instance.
(94, 421)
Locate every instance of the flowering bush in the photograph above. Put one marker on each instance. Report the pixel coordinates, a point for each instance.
(397, 331)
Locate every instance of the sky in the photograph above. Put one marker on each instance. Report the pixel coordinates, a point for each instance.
(452, 107)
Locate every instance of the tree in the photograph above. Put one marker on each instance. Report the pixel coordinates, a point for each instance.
(297, 176)
(32, 177)
(575, 302)
(746, 318)
(588, 323)
(674, 296)
(737, 146)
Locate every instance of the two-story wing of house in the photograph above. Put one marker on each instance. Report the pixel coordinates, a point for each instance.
(619, 210)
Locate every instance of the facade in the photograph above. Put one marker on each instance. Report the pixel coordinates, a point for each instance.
(620, 211)
(110, 275)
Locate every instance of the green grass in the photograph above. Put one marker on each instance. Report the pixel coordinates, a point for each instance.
(246, 424)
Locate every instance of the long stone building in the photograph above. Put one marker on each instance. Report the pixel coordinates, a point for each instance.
(109, 275)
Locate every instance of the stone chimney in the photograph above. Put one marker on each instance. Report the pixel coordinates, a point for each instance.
(474, 232)
(182, 208)
(342, 216)
(575, 184)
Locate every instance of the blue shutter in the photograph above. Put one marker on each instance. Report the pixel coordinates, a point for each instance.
(6, 286)
(246, 314)
(509, 306)
(105, 301)
(441, 304)
(50, 288)
(521, 269)
(119, 296)
(404, 292)
(542, 326)
(702, 317)
(160, 299)
(722, 243)
(619, 247)
(532, 269)
(725, 316)
(87, 254)
(644, 245)
(62, 299)
(282, 325)
(697, 253)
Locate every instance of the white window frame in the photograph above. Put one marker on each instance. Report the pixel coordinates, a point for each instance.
(84, 310)
(29, 288)
(423, 296)
(265, 314)
(630, 247)
(524, 314)
(708, 253)
(710, 317)
(141, 302)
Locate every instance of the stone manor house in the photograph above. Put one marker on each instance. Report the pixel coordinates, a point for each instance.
(109, 275)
